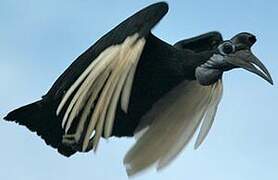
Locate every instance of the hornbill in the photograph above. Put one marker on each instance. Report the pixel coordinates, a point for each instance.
(131, 83)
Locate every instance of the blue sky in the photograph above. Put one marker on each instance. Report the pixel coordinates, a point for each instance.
(39, 39)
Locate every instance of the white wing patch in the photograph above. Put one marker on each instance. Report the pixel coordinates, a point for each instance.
(211, 112)
(169, 126)
(107, 78)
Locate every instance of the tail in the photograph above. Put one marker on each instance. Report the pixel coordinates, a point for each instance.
(41, 118)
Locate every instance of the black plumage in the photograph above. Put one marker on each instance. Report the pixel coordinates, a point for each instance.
(161, 68)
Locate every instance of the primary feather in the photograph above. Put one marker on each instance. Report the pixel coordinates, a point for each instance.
(170, 125)
(113, 72)
(210, 113)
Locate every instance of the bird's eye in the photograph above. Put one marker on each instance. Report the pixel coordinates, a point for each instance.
(226, 48)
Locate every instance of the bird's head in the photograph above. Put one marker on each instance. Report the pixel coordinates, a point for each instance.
(230, 54)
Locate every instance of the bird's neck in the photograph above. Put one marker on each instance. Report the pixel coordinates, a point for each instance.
(211, 71)
(192, 60)
(203, 57)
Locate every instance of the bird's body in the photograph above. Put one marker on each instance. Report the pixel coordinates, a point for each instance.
(155, 77)
(119, 86)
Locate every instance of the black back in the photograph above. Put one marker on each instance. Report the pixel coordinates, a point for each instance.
(204, 42)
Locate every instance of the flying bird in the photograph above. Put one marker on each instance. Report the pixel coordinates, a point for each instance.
(131, 83)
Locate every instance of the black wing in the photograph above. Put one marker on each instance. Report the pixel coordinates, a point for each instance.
(204, 42)
(90, 97)
(92, 79)
(141, 23)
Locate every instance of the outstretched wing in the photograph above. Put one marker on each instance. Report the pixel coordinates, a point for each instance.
(171, 123)
(173, 120)
(203, 42)
(89, 90)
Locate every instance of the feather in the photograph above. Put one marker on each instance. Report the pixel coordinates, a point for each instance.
(210, 114)
(80, 79)
(93, 76)
(104, 61)
(90, 104)
(124, 85)
(169, 126)
(127, 56)
(106, 79)
(128, 84)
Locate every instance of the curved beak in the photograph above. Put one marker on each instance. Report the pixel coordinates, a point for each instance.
(247, 60)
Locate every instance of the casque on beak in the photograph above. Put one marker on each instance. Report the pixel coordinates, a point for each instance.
(247, 60)
(244, 58)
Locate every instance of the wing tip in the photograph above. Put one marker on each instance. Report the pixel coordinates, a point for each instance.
(154, 12)
(162, 6)
(7, 118)
(11, 116)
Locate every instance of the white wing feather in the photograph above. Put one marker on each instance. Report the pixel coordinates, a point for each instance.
(163, 131)
(169, 126)
(210, 114)
(107, 78)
